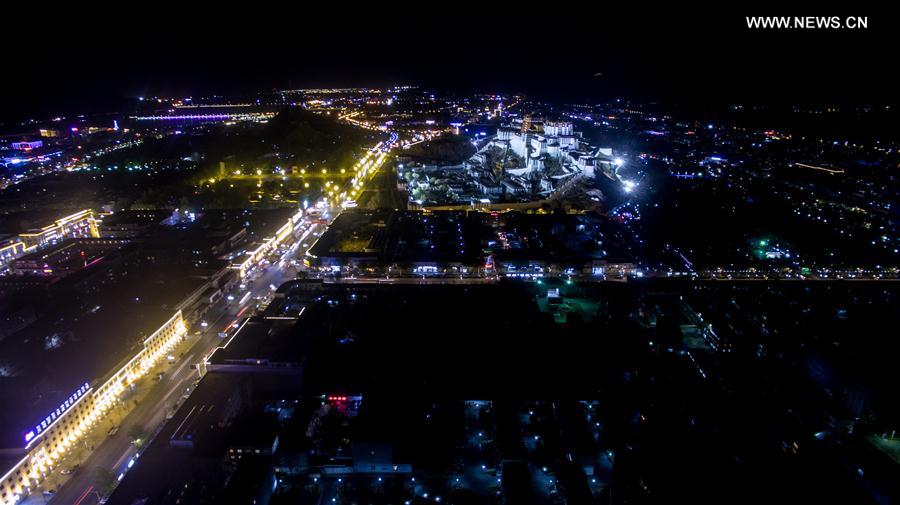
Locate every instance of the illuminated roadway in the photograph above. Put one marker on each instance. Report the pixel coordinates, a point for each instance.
(115, 453)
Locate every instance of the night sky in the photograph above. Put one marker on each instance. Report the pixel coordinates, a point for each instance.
(98, 61)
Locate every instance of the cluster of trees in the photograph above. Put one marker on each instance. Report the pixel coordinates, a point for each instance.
(294, 137)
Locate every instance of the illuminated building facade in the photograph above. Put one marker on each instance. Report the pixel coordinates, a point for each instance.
(13, 249)
(80, 224)
(50, 438)
(27, 145)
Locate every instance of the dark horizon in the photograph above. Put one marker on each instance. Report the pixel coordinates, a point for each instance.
(710, 59)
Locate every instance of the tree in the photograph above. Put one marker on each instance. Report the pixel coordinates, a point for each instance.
(137, 434)
(105, 480)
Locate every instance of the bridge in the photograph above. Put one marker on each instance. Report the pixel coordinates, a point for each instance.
(234, 116)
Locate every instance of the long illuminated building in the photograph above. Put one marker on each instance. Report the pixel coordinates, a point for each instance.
(64, 369)
(78, 225)
(48, 438)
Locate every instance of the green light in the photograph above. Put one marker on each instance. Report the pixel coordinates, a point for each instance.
(763, 243)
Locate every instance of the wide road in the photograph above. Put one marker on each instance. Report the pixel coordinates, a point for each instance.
(115, 453)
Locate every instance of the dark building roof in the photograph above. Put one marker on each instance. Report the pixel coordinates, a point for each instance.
(87, 325)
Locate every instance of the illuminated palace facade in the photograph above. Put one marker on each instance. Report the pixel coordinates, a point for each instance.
(50, 438)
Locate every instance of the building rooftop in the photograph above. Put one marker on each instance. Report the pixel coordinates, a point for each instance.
(67, 257)
(262, 344)
(21, 222)
(398, 237)
(378, 340)
(85, 327)
(226, 413)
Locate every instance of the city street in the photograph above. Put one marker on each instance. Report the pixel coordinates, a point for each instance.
(117, 453)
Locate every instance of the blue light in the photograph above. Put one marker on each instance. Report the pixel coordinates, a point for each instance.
(50, 419)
